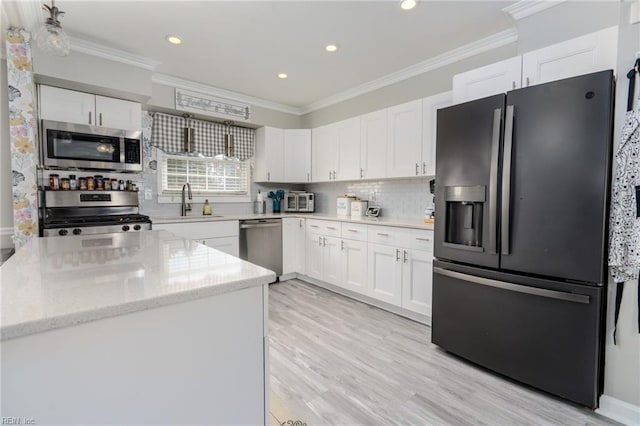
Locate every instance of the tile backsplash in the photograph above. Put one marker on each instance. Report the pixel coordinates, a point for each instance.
(400, 198)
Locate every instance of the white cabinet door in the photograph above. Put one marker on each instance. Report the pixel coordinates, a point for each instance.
(293, 245)
(354, 266)
(417, 276)
(348, 134)
(581, 55)
(229, 245)
(492, 79)
(269, 146)
(404, 139)
(430, 107)
(314, 255)
(373, 144)
(384, 273)
(297, 155)
(324, 154)
(118, 113)
(331, 260)
(67, 105)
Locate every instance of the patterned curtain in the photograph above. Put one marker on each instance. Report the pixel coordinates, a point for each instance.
(208, 140)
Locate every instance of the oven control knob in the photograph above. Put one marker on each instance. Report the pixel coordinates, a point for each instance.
(125, 228)
(137, 227)
(77, 231)
(63, 232)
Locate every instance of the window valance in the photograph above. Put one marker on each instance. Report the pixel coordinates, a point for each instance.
(208, 139)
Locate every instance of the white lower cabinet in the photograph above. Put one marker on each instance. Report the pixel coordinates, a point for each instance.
(293, 245)
(227, 245)
(353, 265)
(331, 258)
(417, 276)
(384, 273)
(221, 235)
(314, 255)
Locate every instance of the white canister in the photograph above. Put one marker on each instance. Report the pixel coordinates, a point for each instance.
(359, 208)
(343, 205)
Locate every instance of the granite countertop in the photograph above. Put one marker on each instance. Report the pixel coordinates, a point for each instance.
(388, 221)
(57, 282)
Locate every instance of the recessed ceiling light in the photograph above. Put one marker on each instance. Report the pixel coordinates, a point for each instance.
(331, 48)
(282, 75)
(408, 4)
(173, 39)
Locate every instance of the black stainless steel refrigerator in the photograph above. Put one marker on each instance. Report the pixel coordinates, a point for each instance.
(522, 194)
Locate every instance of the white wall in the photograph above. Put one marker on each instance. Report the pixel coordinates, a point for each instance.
(6, 196)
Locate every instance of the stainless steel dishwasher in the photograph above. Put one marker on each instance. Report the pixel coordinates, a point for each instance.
(261, 243)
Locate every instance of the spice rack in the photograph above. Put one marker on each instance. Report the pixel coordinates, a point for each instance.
(89, 183)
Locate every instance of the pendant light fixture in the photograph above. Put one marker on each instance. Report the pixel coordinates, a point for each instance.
(228, 140)
(188, 133)
(51, 37)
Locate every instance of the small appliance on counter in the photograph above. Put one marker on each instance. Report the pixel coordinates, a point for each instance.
(299, 202)
(343, 205)
(373, 211)
(359, 208)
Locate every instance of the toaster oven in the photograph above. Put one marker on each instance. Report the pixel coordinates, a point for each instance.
(301, 202)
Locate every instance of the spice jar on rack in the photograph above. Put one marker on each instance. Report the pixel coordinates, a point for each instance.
(91, 183)
(54, 182)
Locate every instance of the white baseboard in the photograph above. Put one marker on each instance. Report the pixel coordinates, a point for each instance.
(619, 410)
(6, 240)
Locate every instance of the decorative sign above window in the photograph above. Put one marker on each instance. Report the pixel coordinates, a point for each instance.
(201, 103)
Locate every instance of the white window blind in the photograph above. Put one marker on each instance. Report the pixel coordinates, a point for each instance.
(205, 175)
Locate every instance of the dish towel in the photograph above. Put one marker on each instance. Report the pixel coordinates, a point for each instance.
(624, 226)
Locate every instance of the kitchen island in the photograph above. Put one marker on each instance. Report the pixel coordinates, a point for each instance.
(133, 328)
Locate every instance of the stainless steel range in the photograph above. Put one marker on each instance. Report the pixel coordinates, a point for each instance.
(66, 213)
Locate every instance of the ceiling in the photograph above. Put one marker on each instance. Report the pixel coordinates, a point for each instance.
(242, 45)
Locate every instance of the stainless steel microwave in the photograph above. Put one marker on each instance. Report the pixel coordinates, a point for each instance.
(299, 202)
(69, 145)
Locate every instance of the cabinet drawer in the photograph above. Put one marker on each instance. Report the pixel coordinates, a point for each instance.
(419, 239)
(385, 235)
(354, 231)
(324, 227)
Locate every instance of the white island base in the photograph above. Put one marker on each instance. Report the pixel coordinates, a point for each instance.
(199, 361)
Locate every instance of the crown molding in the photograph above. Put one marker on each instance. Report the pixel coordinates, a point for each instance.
(180, 83)
(100, 51)
(494, 41)
(525, 8)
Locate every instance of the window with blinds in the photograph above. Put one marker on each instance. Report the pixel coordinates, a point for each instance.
(205, 175)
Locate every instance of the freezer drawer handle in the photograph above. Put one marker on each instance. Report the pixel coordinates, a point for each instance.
(493, 182)
(551, 294)
(506, 179)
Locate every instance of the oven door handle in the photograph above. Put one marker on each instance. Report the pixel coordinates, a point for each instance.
(550, 294)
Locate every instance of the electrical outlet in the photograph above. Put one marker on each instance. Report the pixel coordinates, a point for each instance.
(372, 195)
(148, 194)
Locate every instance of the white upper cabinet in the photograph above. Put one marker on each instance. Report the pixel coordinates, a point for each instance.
(373, 144)
(85, 108)
(348, 134)
(269, 146)
(430, 107)
(593, 52)
(492, 79)
(297, 155)
(404, 139)
(118, 114)
(324, 153)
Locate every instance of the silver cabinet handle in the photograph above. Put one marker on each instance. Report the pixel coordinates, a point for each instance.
(341, 244)
(552, 294)
(300, 223)
(308, 177)
(423, 239)
(493, 182)
(424, 168)
(331, 227)
(417, 169)
(352, 230)
(528, 82)
(513, 84)
(404, 256)
(268, 176)
(324, 242)
(334, 175)
(506, 178)
(383, 235)
(314, 226)
(361, 172)
(89, 117)
(329, 175)
(100, 119)
(397, 255)
(319, 241)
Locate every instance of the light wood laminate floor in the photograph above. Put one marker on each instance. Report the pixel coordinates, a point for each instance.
(336, 361)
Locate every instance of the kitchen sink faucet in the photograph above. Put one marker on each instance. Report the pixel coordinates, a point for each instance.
(186, 207)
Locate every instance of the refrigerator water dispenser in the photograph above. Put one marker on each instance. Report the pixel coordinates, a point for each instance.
(464, 210)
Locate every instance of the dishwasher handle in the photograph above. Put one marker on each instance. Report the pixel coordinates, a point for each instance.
(260, 225)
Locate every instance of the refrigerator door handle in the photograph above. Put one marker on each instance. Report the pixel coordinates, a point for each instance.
(506, 178)
(493, 182)
(550, 294)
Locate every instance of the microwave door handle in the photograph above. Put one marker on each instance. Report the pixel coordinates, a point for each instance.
(122, 146)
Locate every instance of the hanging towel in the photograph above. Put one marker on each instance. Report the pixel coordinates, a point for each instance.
(624, 234)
